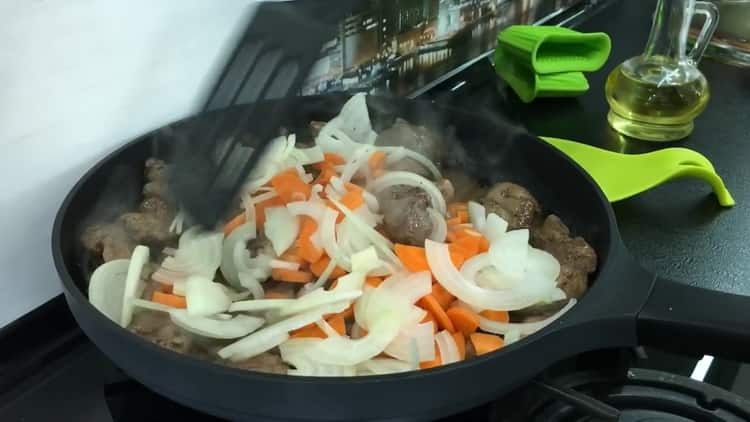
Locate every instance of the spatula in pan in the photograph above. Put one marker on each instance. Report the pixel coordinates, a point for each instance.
(272, 60)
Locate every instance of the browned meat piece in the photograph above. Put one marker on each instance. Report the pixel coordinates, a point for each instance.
(108, 240)
(268, 362)
(415, 138)
(156, 178)
(406, 219)
(158, 328)
(577, 258)
(147, 228)
(513, 203)
(447, 189)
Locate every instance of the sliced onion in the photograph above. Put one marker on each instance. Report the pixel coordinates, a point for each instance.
(327, 230)
(281, 228)
(495, 227)
(294, 352)
(359, 159)
(406, 178)
(204, 297)
(151, 306)
(306, 156)
(237, 239)
(422, 335)
(177, 223)
(319, 298)
(107, 288)
(133, 282)
(236, 296)
(334, 140)
(477, 215)
(178, 288)
(410, 287)
(354, 120)
(509, 253)
(525, 328)
(285, 265)
(447, 347)
(275, 334)
(326, 328)
(252, 284)
(258, 305)
(324, 276)
(312, 209)
(239, 326)
(368, 216)
(439, 226)
(472, 266)
(438, 257)
(396, 154)
(378, 240)
(197, 253)
(382, 366)
(265, 196)
(543, 263)
(511, 336)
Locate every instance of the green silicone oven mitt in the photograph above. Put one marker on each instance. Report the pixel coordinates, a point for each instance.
(551, 49)
(529, 85)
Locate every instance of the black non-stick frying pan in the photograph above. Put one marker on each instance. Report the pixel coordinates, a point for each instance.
(625, 305)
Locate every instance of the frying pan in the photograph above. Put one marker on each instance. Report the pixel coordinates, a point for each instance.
(624, 307)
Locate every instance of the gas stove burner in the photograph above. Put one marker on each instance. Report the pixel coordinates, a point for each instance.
(636, 395)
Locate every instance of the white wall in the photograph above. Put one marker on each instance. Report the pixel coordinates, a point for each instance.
(77, 78)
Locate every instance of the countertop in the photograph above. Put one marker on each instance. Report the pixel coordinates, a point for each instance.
(677, 230)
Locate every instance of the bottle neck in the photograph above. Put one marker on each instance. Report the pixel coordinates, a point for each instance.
(669, 30)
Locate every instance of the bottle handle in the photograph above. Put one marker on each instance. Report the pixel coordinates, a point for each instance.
(711, 12)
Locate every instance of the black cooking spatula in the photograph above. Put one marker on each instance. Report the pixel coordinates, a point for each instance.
(272, 60)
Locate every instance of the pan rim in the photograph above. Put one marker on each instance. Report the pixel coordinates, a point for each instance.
(73, 291)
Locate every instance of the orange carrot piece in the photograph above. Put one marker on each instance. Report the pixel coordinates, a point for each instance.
(352, 199)
(290, 186)
(484, 245)
(312, 330)
(260, 209)
(457, 256)
(374, 281)
(443, 296)
(352, 187)
(485, 343)
(453, 222)
(320, 265)
(234, 223)
(429, 318)
(278, 294)
(455, 207)
(377, 160)
(166, 288)
(292, 255)
(499, 316)
(458, 337)
(433, 363)
(414, 258)
(307, 250)
(333, 159)
(290, 276)
(431, 304)
(348, 313)
(463, 319)
(324, 177)
(169, 300)
(463, 216)
(469, 245)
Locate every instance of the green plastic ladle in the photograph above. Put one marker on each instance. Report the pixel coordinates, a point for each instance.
(621, 176)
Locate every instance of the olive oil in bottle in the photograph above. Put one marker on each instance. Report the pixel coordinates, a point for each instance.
(656, 96)
(650, 106)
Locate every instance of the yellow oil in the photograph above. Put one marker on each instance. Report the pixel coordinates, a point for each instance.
(655, 108)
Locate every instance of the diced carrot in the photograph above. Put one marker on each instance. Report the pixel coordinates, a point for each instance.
(307, 250)
(319, 266)
(169, 300)
(429, 318)
(463, 319)
(485, 343)
(377, 160)
(348, 313)
(458, 337)
(443, 296)
(455, 207)
(260, 209)
(374, 281)
(453, 222)
(457, 256)
(352, 199)
(234, 223)
(499, 316)
(166, 288)
(290, 186)
(431, 304)
(324, 177)
(352, 187)
(433, 363)
(333, 159)
(312, 330)
(463, 216)
(468, 245)
(292, 255)
(414, 258)
(291, 276)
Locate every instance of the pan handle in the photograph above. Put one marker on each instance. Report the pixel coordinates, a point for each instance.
(690, 319)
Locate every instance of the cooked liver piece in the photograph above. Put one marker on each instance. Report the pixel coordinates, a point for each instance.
(513, 203)
(406, 219)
